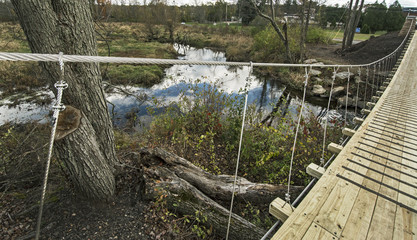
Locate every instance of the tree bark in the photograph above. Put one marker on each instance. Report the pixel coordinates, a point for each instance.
(302, 29)
(355, 24)
(347, 25)
(351, 24)
(308, 18)
(66, 26)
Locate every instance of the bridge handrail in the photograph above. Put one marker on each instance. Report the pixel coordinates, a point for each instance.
(38, 57)
(396, 50)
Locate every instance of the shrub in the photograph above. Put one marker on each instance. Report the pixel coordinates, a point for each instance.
(204, 127)
(365, 29)
(317, 35)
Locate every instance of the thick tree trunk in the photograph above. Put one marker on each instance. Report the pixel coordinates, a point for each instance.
(355, 23)
(302, 29)
(345, 34)
(351, 25)
(308, 18)
(66, 26)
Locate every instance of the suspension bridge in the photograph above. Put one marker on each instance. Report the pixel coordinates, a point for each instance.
(369, 191)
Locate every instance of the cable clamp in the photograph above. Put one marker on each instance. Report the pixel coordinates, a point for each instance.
(60, 107)
(287, 197)
(62, 85)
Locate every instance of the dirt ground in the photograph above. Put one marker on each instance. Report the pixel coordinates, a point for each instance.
(360, 53)
(68, 217)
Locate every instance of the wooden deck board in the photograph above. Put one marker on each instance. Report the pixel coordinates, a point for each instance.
(370, 190)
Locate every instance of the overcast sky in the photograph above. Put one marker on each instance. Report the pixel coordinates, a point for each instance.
(404, 3)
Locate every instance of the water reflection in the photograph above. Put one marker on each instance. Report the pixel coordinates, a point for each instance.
(264, 92)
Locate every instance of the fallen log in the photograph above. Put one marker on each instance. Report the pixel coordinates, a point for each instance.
(193, 189)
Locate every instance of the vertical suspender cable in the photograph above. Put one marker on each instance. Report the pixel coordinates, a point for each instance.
(347, 96)
(327, 114)
(60, 85)
(287, 195)
(357, 90)
(240, 147)
(366, 83)
(373, 82)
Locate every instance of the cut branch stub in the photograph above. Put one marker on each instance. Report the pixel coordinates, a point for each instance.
(68, 122)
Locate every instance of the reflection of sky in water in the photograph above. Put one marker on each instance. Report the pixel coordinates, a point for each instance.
(23, 113)
(231, 80)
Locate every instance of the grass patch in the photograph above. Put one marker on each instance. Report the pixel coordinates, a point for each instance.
(12, 38)
(145, 76)
(336, 34)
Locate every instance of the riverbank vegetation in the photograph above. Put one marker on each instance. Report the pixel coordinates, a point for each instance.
(202, 126)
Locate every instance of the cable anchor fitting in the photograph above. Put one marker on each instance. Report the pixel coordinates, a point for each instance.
(63, 85)
(60, 107)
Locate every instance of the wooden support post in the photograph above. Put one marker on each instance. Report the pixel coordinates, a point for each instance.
(358, 120)
(280, 209)
(334, 148)
(370, 104)
(348, 132)
(375, 98)
(315, 170)
(365, 111)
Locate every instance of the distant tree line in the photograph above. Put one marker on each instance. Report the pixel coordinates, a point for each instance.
(378, 17)
(374, 17)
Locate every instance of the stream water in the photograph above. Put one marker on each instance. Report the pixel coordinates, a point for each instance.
(264, 92)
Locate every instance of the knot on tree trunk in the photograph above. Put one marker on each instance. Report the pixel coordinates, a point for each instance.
(68, 122)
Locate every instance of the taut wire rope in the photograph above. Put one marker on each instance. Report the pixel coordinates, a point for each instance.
(60, 86)
(373, 82)
(366, 83)
(239, 150)
(287, 195)
(357, 90)
(326, 116)
(347, 96)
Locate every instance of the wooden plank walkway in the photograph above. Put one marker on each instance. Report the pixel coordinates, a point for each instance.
(370, 190)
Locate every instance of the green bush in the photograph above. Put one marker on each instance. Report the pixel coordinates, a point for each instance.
(365, 29)
(204, 127)
(317, 35)
(268, 46)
